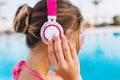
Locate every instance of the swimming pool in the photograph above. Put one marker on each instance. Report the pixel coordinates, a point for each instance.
(99, 57)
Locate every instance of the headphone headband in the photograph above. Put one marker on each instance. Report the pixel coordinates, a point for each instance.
(51, 5)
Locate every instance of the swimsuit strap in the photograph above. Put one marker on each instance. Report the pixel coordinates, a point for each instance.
(32, 72)
(16, 70)
(18, 67)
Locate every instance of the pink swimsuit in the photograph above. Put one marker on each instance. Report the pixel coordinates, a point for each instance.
(18, 67)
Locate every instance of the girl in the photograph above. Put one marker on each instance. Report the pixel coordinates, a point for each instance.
(60, 52)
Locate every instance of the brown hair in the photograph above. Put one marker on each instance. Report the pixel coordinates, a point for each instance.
(30, 20)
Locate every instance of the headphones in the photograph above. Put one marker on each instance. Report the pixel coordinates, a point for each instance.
(51, 27)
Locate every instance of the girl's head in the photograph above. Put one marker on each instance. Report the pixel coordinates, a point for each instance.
(30, 20)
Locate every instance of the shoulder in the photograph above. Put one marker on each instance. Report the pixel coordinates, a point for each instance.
(55, 76)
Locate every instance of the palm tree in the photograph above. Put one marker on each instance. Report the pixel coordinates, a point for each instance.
(96, 3)
(2, 4)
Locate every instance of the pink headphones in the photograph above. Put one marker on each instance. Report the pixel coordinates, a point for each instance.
(51, 27)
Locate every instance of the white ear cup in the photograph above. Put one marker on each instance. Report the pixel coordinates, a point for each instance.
(49, 29)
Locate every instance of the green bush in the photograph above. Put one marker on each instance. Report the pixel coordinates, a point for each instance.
(116, 20)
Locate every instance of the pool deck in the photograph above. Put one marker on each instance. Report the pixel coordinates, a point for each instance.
(99, 30)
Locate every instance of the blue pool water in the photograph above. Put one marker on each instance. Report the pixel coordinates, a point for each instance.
(99, 56)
